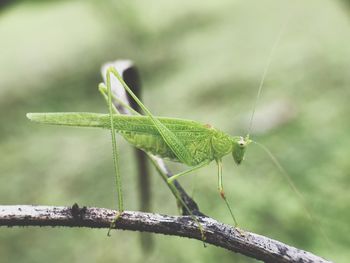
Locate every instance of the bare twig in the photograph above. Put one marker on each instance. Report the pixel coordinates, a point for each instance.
(218, 234)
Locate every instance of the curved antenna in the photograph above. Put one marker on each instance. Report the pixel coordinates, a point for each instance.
(295, 190)
(267, 66)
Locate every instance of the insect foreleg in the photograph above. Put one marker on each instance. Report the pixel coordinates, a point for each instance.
(222, 193)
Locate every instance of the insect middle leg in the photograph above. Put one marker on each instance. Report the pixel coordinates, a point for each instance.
(176, 176)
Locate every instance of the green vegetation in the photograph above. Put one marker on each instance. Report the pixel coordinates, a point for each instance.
(198, 60)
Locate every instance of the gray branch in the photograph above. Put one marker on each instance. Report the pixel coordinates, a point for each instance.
(216, 233)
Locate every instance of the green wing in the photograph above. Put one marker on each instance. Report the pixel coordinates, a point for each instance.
(141, 132)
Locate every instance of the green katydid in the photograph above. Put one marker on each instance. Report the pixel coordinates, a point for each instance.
(191, 143)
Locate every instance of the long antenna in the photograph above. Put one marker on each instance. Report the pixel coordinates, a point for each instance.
(267, 66)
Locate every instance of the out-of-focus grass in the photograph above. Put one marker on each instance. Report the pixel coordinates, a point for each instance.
(204, 60)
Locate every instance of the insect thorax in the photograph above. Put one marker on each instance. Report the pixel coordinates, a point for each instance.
(221, 144)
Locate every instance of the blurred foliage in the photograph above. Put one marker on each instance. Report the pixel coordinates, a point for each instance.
(204, 60)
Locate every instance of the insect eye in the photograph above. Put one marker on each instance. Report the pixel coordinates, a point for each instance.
(241, 142)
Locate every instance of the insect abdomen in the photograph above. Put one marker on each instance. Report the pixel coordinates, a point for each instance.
(153, 144)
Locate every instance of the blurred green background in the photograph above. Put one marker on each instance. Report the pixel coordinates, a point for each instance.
(204, 59)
